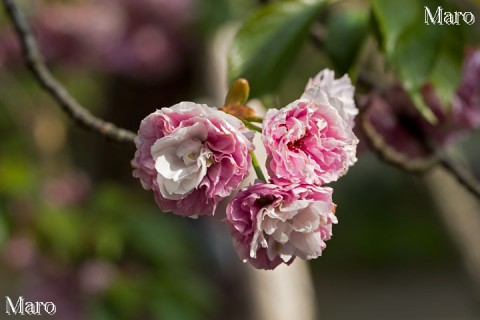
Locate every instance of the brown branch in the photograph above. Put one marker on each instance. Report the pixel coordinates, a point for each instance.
(393, 157)
(36, 64)
(387, 153)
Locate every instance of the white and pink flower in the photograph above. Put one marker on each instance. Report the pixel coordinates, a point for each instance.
(311, 140)
(272, 224)
(191, 156)
(340, 89)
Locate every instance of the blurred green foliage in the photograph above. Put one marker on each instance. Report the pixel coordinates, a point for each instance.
(159, 269)
(417, 52)
(216, 13)
(346, 33)
(264, 57)
(421, 52)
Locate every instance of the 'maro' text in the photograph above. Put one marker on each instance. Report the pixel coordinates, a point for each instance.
(440, 17)
(22, 307)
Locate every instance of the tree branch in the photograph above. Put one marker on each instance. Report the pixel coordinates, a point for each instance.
(387, 153)
(403, 162)
(36, 64)
(464, 177)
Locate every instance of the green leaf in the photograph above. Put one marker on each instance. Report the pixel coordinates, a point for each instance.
(394, 17)
(446, 73)
(346, 32)
(414, 56)
(420, 53)
(268, 42)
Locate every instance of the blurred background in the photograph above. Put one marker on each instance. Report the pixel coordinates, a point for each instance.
(76, 228)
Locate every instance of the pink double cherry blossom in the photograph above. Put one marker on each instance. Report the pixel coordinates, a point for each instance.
(192, 156)
(311, 140)
(272, 224)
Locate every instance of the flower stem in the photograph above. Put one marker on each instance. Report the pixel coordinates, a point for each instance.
(255, 119)
(251, 126)
(257, 168)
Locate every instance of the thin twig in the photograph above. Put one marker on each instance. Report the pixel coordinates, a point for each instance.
(49, 83)
(464, 177)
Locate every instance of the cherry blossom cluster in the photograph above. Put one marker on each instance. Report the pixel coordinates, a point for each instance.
(192, 156)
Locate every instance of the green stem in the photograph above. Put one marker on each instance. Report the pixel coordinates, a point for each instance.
(251, 126)
(255, 119)
(257, 168)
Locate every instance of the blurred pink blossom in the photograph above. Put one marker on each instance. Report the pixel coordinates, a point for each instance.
(191, 156)
(47, 280)
(395, 117)
(19, 251)
(96, 276)
(141, 38)
(466, 103)
(273, 224)
(69, 189)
